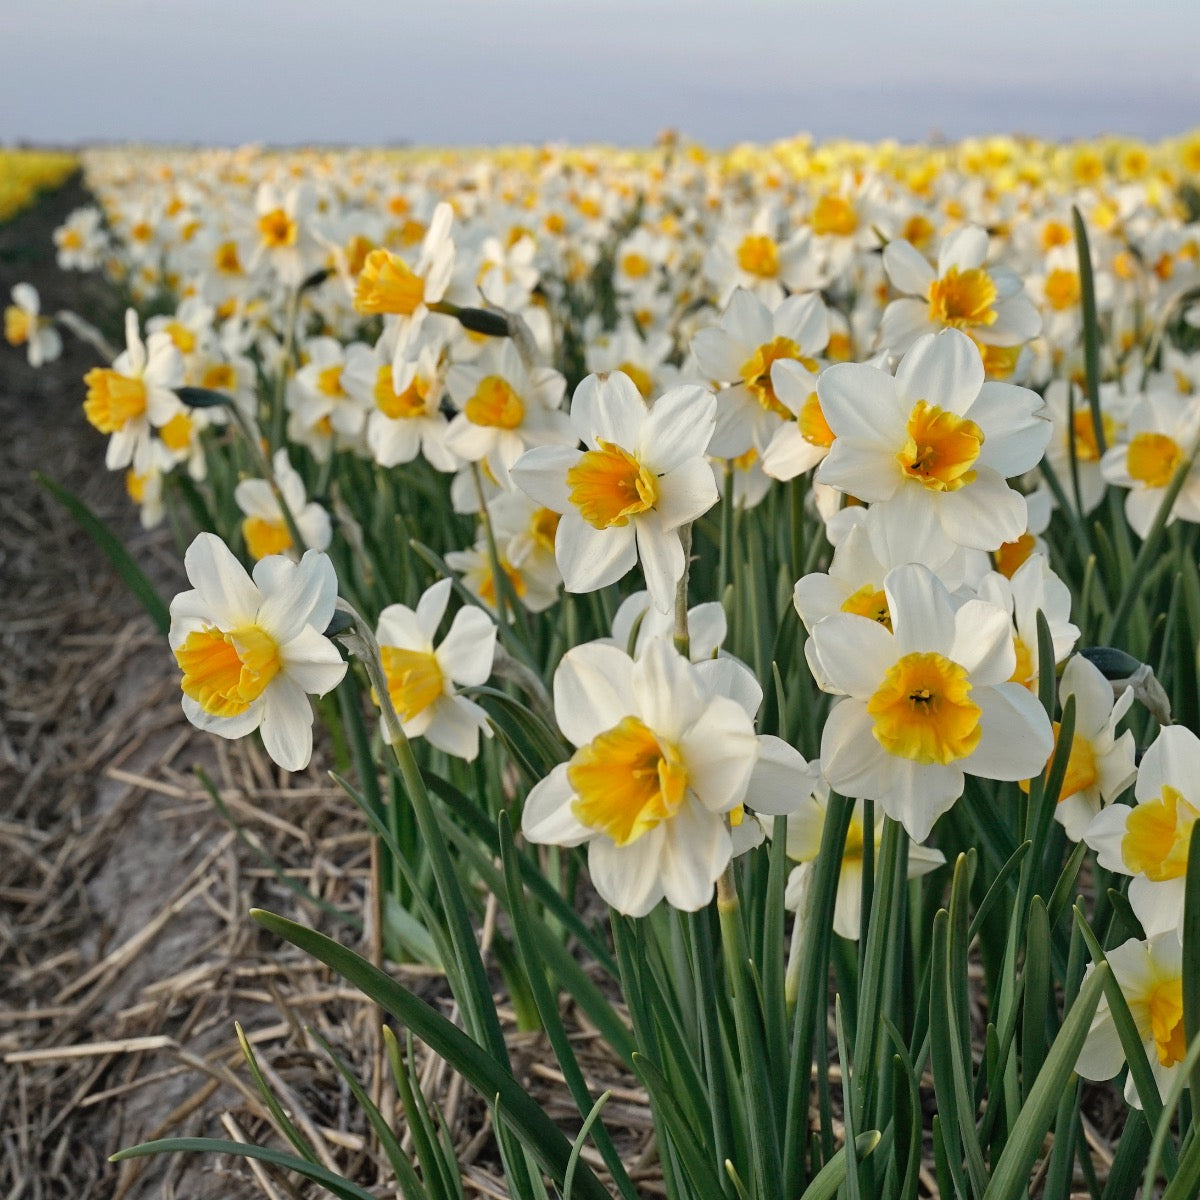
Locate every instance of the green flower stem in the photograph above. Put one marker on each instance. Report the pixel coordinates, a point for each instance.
(472, 989)
(683, 641)
(253, 438)
(760, 1104)
(278, 400)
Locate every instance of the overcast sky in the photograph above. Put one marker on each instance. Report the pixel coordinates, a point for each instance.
(477, 71)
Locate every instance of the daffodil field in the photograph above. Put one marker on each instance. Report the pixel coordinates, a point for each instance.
(26, 173)
(752, 599)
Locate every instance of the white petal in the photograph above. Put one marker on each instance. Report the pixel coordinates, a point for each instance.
(305, 596)
(1016, 736)
(781, 780)
(469, 648)
(225, 589)
(593, 691)
(591, 558)
(287, 724)
(628, 877)
(547, 817)
(943, 369)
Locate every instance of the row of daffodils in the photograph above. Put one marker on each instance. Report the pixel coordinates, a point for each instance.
(858, 377)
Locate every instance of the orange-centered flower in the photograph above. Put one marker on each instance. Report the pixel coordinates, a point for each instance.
(18, 325)
(276, 229)
(923, 710)
(1164, 1002)
(963, 299)
(220, 377)
(113, 399)
(265, 537)
(1157, 834)
(177, 432)
(641, 378)
(543, 526)
(1087, 447)
(1153, 458)
(329, 381)
(494, 403)
(626, 781)
(226, 672)
(387, 284)
(814, 429)
(404, 406)
(414, 678)
(941, 448)
(609, 486)
(1062, 289)
(869, 602)
(758, 255)
(756, 371)
(834, 215)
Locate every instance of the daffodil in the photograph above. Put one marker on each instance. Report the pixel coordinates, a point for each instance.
(25, 326)
(1150, 975)
(805, 827)
(1150, 840)
(928, 701)
(505, 408)
(1163, 429)
(251, 649)
(988, 303)
(133, 397)
(1100, 765)
(742, 351)
(936, 438)
(664, 760)
(642, 476)
(421, 674)
(264, 527)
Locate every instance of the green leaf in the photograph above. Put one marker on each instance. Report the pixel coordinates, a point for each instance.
(282, 1120)
(491, 1078)
(339, 1186)
(131, 574)
(1010, 1177)
(829, 1178)
(406, 1177)
(532, 954)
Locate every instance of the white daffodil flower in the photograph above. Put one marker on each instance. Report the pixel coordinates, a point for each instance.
(935, 437)
(927, 702)
(421, 675)
(642, 477)
(251, 649)
(667, 755)
(1150, 840)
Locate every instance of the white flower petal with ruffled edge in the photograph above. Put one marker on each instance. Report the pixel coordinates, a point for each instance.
(608, 408)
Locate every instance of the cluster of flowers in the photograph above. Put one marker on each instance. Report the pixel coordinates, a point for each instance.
(904, 324)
